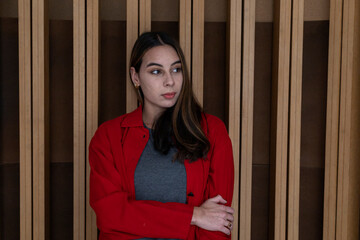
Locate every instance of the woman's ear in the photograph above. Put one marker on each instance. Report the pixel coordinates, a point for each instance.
(134, 77)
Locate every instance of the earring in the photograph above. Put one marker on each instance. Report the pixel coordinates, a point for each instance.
(136, 86)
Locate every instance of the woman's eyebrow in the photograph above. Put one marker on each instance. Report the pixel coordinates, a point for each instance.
(159, 65)
(154, 64)
(178, 61)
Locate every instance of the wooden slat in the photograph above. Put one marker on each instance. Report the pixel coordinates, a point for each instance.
(332, 120)
(131, 36)
(282, 21)
(79, 136)
(234, 51)
(247, 119)
(348, 201)
(145, 16)
(198, 49)
(185, 30)
(25, 119)
(295, 119)
(92, 100)
(40, 117)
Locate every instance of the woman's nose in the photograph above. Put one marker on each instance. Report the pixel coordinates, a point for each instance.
(168, 81)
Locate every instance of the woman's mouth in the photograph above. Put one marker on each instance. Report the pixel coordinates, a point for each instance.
(170, 95)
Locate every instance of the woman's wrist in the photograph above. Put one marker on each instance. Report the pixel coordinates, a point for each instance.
(195, 216)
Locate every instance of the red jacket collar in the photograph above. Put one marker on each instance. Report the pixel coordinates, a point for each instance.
(133, 119)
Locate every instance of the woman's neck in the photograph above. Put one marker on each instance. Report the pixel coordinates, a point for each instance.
(150, 117)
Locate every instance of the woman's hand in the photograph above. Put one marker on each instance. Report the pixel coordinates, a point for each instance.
(213, 215)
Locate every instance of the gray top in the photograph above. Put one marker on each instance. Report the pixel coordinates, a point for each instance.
(158, 177)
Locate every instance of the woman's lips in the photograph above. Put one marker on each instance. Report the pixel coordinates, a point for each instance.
(170, 95)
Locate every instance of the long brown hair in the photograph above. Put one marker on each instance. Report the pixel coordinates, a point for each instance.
(182, 122)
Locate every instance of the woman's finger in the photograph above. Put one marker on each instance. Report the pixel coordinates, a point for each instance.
(225, 230)
(218, 199)
(229, 217)
(229, 209)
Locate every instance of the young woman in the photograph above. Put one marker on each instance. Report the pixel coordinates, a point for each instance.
(165, 170)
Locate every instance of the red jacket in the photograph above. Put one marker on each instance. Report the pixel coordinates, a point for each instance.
(113, 154)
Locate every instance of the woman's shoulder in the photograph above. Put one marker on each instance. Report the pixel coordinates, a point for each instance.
(112, 123)
(131, 119)
(213, 124)
(212, 119)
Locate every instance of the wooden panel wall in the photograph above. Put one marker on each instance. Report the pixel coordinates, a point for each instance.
(92, 99)
(341, 181)
(295, 120)
(25, 119)
(279, 121)
(348, 196)
(247, 112)
(40, 101)
(332, 120)
(79, 120)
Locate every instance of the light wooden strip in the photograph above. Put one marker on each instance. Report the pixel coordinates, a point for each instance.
(332, 120)
(92, 100)
(295, 119)
(198, 49)
(247, 119)
(281, 100)
(234, 36)
(145, 16)
(185, 30)
(131, 36)
(25, 119)
(79, 154)
(40, 118)
(348, 205)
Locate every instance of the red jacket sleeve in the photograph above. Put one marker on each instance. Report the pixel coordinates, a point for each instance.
(221, 172)
(120, 217)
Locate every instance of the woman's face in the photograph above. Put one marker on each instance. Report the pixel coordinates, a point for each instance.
(160, 78)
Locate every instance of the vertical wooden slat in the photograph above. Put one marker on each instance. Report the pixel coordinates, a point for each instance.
(132, 22)
(92, 100)
(332, 120)
(282, 21)
(247, 119)
(79, 120)
(185, 30)
(40, 118)
(234, 64)
(348, 200)
(145, 16)
(25, 119)
(198, 49)
(295, 119)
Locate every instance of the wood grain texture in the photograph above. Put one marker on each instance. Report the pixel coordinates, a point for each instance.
(247, 119)
(348, 204)
(282, 33)
(92, 100)
(25, 119)
(131, 36)
(295, 120)
(79, 137)
(198, 49)
(185, 30)
(145, 16)
(332, 120)
(234, 75)
(40, 87)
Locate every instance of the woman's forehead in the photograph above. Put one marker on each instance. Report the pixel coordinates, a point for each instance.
(163, 54)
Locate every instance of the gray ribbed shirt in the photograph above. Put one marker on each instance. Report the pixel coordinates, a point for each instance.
(158, 177)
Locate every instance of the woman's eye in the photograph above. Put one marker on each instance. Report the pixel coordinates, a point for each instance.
(156, 72)
(176, 70)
